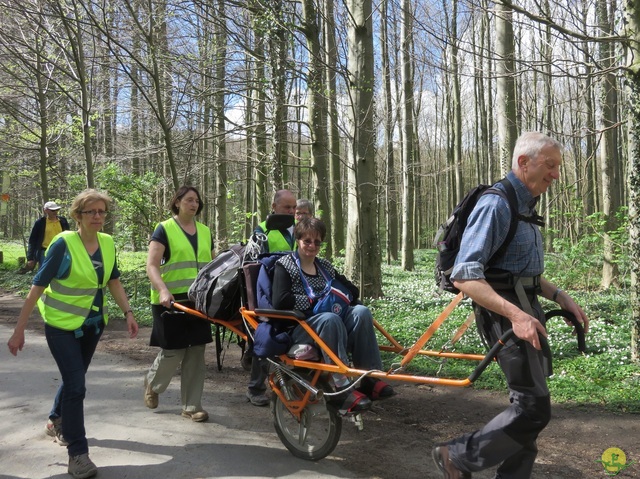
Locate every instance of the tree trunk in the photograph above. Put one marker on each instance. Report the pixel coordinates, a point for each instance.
(390, 187)
(221, 193)
(317, 113)
(362, 262)
(336, 183)
(632, 20)
(408, 165)
(608, 146)
(505, 86)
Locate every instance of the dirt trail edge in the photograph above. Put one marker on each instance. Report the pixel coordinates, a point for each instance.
(130, 441)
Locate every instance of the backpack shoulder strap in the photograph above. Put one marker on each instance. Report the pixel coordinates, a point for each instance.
(510, 195)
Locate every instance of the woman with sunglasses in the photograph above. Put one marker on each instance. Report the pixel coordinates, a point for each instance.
(301, 273)
(69, 290)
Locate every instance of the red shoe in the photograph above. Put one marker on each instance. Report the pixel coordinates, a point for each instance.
(350, 402)
(375, 389)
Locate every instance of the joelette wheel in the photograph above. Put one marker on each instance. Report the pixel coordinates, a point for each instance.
(317, 432)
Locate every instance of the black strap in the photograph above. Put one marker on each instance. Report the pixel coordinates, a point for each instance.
(510, 195)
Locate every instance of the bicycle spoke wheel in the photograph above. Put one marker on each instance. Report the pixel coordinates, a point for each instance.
(315, 435)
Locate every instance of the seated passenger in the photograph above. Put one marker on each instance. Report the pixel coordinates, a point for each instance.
(354, 335)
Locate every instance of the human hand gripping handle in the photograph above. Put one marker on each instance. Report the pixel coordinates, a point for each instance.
(528, 328)
(567, 303)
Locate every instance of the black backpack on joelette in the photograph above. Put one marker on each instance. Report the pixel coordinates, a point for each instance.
(449, 235)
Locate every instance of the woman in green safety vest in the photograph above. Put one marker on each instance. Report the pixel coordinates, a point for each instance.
(179, 247)
(69, 290)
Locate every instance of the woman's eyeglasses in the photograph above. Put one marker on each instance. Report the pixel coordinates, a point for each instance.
(317, 243)
(100, 213)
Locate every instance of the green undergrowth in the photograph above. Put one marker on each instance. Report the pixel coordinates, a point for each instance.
(603, 375)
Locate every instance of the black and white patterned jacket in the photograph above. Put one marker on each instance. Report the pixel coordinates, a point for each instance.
(288, 290)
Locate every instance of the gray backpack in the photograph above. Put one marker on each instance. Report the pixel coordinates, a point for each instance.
(216, 290)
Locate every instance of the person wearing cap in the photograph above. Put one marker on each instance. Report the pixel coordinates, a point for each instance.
(43, 231)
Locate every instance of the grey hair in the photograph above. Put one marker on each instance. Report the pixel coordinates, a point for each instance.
(530, 144)
(303, 203)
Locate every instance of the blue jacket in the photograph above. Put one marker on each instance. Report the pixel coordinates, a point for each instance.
(265, 278)
(37, 236)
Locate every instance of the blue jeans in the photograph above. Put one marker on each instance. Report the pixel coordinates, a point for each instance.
(73, 356)
(355, 335)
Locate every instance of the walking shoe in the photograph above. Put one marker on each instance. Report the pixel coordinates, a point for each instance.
(81, 466)
(257, 399)
(350, 402)
(440, 456)
(53, 428)
(375, 389)
(150, 396)
(196, 416)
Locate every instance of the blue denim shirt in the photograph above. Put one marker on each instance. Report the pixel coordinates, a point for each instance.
(487, 229)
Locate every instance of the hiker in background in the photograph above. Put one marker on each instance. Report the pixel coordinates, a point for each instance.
(43, 231)
(298, 280)
(69, 290)
(304, 209)
(506, 297)
(284, 202)
(179, 247)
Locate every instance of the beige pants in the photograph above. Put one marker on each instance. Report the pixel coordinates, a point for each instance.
(192, 373)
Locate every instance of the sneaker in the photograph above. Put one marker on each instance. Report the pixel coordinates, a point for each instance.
(350, 402)
(150, 396)
(53, 428)
(81, 466)
(196, 416)
(257, 399)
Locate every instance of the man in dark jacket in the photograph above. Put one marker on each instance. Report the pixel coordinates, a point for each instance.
(43, 231)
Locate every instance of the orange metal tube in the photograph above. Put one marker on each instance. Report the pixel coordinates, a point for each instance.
(230, 325)
(418, 345)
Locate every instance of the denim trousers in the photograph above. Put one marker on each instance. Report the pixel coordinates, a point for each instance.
(354, 335)
(259, 374)
(73, 356)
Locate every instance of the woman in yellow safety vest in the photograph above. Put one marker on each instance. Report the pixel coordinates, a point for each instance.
(69, 290)
(179, 247)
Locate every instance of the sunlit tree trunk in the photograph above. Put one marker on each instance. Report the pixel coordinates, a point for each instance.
(336, 180)
(220, 138)
(70, 15)
(390, 186)
(632, 24)
(609, 160)
(408, 160)
(277, 77)
(362, 262)
(505, 91)
(317, 112)
(456, 107)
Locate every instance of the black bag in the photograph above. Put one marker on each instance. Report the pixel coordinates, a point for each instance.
(449, 235)
(216, 290)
